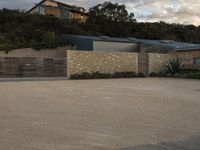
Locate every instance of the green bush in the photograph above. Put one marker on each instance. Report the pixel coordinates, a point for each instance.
(184, 73)
(174, 66)
(98, 75)
(154, 74)
(124, 74)
(23, 30)
(191, 75)
(140, 75)
(84, 75)
(6, 46)
(177, 75)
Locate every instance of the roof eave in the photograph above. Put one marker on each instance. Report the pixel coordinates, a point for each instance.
(36, 6)
(188, 49)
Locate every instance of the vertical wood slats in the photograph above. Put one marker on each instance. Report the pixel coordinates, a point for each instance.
(32, 67)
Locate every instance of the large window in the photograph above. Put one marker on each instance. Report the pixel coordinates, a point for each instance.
(197, 61)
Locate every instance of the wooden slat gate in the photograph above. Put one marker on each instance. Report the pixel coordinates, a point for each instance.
(32, 67)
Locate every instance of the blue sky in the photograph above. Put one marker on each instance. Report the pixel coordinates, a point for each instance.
(172, 11)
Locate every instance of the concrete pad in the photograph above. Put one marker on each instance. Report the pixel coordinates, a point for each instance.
(100, 114)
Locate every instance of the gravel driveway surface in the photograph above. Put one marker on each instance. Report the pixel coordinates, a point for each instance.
(129, 114)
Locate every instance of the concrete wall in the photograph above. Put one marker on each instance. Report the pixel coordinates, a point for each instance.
(114, 46)
(187, 58)
(105, 62)
(44, 53)
(158, 61)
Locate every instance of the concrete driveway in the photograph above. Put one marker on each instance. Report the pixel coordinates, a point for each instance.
(132, 114)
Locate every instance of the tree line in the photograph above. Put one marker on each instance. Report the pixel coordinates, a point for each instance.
(20, 29)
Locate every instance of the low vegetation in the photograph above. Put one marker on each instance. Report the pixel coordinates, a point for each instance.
(22, 30)
(184, 74)
(176, 70)
(19, 29)
(173, 66)
(98, 75)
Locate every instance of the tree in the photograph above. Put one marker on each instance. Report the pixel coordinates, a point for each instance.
(110, 19)
(132, 17)
(110, 12)
(19, 29)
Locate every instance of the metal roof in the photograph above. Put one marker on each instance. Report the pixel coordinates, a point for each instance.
(103, 38)
(72, 7)
(177, 46)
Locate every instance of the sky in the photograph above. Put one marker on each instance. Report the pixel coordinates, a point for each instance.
(171, 11)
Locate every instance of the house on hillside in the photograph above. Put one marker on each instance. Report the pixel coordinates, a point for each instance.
(60, 10)
(189, 54)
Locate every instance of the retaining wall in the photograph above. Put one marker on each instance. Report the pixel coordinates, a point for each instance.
(59, 52)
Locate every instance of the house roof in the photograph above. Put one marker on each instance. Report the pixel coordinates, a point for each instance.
(73, 7)
(36, 6)
(102, 38)
(177, 46)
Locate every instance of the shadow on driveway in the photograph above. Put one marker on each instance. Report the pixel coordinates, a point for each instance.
(188, 144)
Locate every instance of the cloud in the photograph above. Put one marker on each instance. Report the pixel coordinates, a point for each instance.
(16, 4)
(172, 11)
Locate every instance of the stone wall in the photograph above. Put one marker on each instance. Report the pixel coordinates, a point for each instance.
(104, 62)
(158, 61)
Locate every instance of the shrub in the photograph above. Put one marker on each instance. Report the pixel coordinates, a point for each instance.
(6, 47)
(191, 75)
(140, 75)
(98, 75)
(84, 75)
(162, 74)
(174, 66)
(154, 74)
(124, 74)
(177, 75)
(185, 71)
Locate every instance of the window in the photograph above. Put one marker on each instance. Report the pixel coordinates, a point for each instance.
(197, 61)
(66, 14)
(41, 10)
